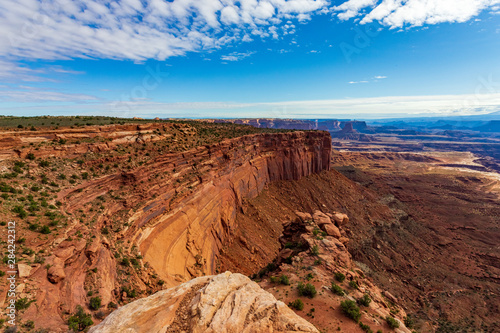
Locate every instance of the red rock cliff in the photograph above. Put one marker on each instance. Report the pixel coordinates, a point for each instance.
(179, 210)
(185, 241)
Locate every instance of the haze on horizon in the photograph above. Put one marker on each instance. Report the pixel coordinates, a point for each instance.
(250, 58)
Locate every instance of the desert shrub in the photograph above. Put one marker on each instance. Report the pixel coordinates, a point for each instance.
(112, 305)
(339, 277)
(317, 262)
(393, 323)
(45, 230)
(337, 290)
(365, 300)
(315, 250)
(19, 210)
(125, 262)
(95, 303)
(306, 290)
(350, 309)
(309, 276)
(22, 303)
(104, 231)
(409, 322)
(30, 156)
(284, 280)
(353, 284)
(30, 324)
(80, 320)
(297, 304)
(44, 163)
(85, 175)
(365, 327)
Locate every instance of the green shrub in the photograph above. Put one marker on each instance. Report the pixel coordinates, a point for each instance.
(23, 303)
(297, 304)
(309, 276)
(95, 303)
(30, 156)
(80, 320)
(393, 323)
(353, 284)
(409, 321)
(350, 309)
(19, 210)
(45, 230)
(337, 290)
(365, 328)
(284, 280)
(315, 250)
(44, 163)
(125, 262)
(306, 290)
(365, 300)
(339, 277)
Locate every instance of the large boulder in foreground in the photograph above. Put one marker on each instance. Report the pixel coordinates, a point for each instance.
(224, 303)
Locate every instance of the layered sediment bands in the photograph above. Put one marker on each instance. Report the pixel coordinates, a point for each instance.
(181, 208)
(182, 240)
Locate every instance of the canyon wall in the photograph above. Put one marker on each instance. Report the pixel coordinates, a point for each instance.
(174, 213)
(184, 242)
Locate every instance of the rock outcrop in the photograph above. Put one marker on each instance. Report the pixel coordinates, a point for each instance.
(225, 303)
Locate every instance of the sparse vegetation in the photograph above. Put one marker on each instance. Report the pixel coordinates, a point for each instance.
(337, 290)
(80, 320)
(306, 290)
(350, 309)
(365, 300)
(297, 304)
(393, 323)
(339, 277)
(95, 303)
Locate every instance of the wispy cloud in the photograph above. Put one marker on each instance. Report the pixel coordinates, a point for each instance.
(380, 77)
(236, 56)
(29, 94)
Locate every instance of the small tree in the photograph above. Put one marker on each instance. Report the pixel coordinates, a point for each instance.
(80, 320)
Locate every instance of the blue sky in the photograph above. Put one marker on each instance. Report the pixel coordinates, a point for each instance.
(250, 58)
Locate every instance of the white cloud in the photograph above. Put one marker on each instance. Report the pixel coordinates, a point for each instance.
(380, 77)
(399, 13)
(137, 30)
(236, 56)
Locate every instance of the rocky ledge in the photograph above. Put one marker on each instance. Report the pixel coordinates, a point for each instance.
(220, 303)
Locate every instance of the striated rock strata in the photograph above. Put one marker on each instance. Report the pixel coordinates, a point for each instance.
(176, 211)
(229, 303)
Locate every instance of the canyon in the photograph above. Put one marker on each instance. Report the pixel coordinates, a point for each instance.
(143, 218)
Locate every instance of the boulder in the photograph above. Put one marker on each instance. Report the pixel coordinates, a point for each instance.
(340, 219)
(56, 272)
(304, 216)
(331, 230)
(23, 270)
(210, 304)
(321, 218)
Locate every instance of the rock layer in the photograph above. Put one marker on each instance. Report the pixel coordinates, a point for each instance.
(224, 303)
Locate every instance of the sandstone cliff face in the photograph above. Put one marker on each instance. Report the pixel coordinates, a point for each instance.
(225, 303)
(176, 212)
(185, 241)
